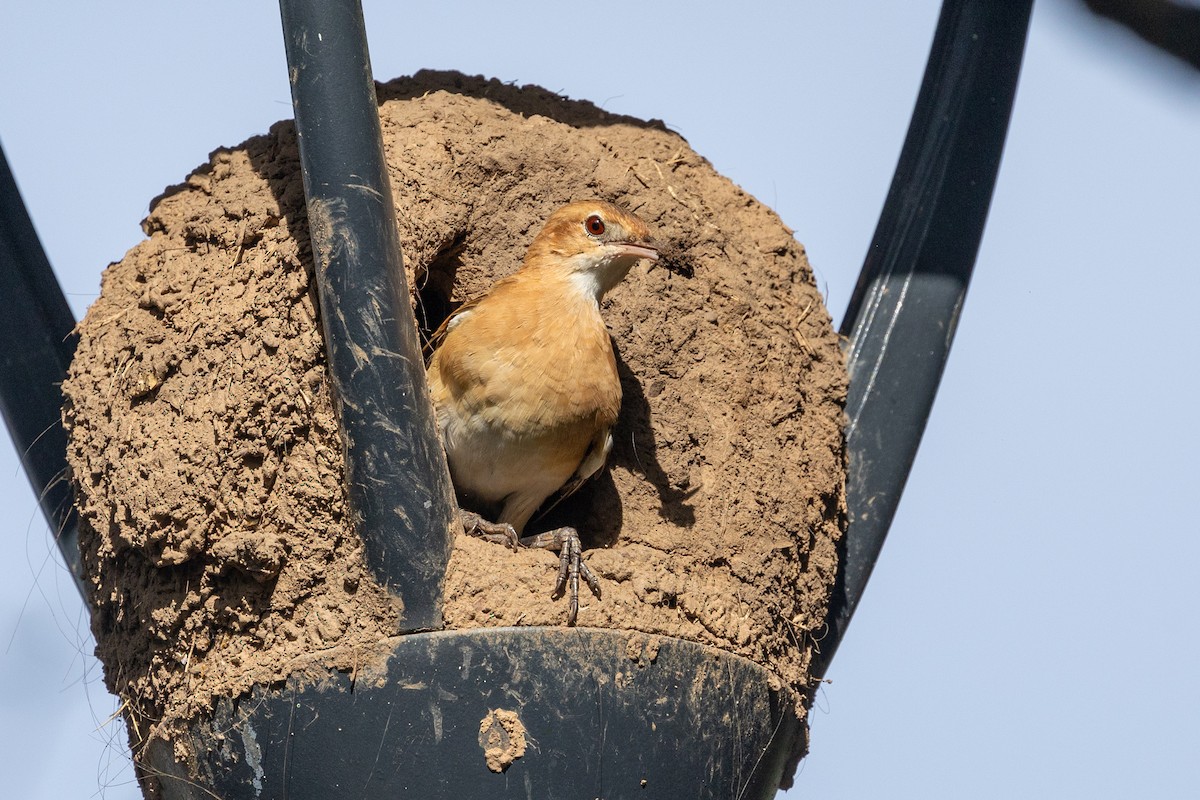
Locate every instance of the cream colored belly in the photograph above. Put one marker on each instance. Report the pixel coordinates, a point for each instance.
(495, 466)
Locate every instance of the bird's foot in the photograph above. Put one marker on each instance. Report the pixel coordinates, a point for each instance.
(494, 532)
(570, 566)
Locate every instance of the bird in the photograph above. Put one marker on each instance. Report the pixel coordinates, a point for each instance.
(524, 382)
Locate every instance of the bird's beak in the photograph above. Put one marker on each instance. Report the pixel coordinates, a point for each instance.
(637, 250)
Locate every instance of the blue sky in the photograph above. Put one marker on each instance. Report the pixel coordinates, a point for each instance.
(1031, 627)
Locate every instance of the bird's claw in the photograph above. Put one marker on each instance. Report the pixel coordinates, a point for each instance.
(494, 532)
(570, 566)
(565, 540)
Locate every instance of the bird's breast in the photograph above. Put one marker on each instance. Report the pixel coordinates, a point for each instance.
(526, 368)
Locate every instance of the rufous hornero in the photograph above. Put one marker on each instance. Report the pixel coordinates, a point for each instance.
(524, 382)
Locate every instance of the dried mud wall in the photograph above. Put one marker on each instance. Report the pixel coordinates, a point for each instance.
(205, 452)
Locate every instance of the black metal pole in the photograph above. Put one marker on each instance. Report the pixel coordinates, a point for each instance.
(904, 310)
(398, 484)
(37, 341)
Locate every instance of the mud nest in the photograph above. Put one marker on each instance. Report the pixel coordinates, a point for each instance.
(205, 451)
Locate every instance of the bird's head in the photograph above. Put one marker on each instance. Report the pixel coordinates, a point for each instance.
(593, 242)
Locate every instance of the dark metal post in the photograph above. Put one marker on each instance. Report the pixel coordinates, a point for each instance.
(37, 341)
(903, 313)
(398, 484)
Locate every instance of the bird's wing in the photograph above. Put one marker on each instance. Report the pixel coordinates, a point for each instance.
(593, 460)
(435, 338)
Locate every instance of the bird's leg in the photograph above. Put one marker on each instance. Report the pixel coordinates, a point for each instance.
(570, 566)
(494, 532)
(564, 540)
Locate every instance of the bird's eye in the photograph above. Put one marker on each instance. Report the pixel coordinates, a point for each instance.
(594, 225)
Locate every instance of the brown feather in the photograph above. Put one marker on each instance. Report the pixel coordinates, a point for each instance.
(525, 380)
